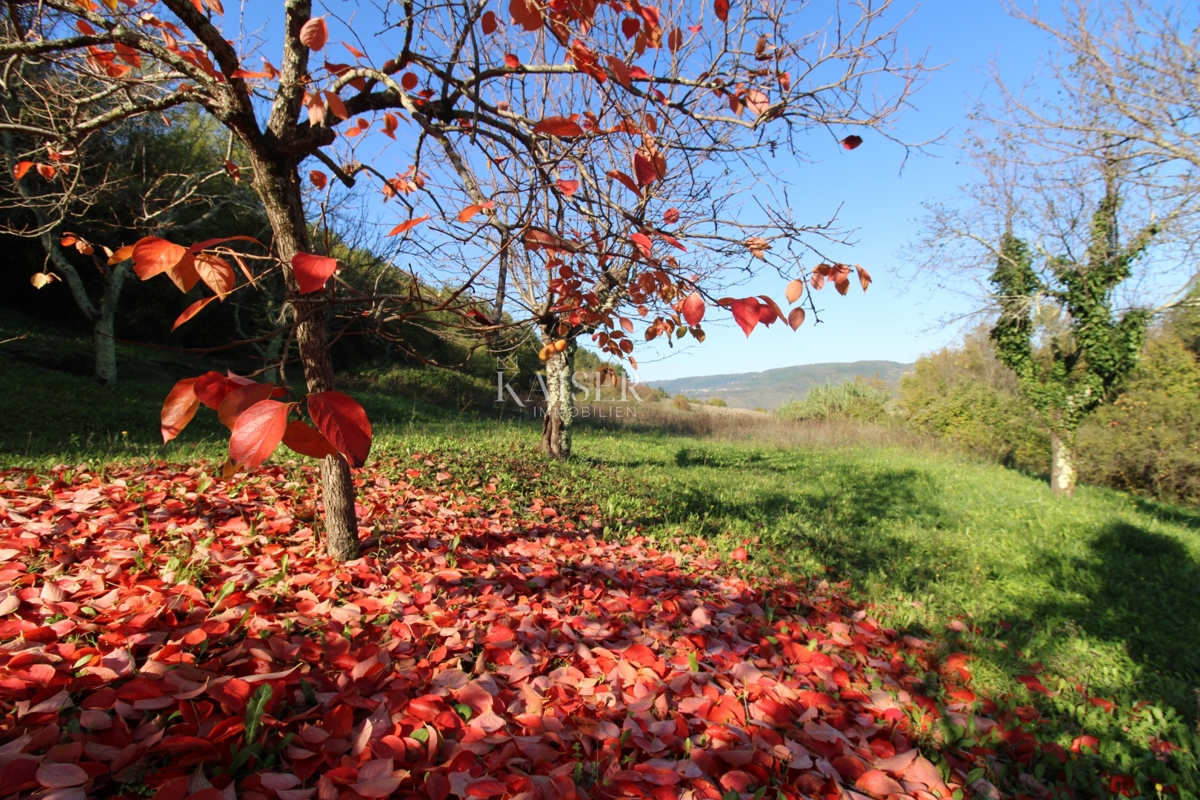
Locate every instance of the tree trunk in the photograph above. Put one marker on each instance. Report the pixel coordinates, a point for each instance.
(103, 326)
(278, 185)
(1062, 465)
(560, 403)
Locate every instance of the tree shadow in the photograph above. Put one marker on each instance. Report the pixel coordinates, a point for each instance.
(1136, 588)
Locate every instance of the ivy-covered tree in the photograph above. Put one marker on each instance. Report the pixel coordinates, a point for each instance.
(1068, 374)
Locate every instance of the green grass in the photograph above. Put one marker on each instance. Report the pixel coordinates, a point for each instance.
(1102, 590)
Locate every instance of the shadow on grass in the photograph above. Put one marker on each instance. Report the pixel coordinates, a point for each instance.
(1138, 589)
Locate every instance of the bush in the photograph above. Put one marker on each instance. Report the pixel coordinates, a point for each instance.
(1147, 442)
(718, 402)
(966, 395)
(857, 400)
(680, 402)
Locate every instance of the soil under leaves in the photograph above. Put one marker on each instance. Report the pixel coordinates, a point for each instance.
(167, 634)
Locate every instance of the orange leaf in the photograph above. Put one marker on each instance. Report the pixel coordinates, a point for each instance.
(693, 309)
(757, 102)
(539, 239)
(794, 290)
(863, 277)
(675, 40)
(344, 423)
(472, 210)
(191, 311)
(563, 127)
(121, 254)
(307, 440)
(46, 171)
(312, 272)
(180, 406)
(627, 324)
(215, 272)
(153, 256)
(314, 34)
(796, 318)
(21, 168)
(403, 226)
(336, 105)
(354, 51)
(233, 171)
(258, 432)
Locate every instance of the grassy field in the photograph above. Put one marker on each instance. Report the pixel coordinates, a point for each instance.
(1099, 593)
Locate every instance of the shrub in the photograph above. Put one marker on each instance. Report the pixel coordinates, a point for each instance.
(680, 402)
(857, 400)
(1147, 441)
(718, 402)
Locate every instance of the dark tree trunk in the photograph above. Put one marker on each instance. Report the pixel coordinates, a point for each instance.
(277, 182)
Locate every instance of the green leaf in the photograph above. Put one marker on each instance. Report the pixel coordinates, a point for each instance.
(420, 734)
(255, 709)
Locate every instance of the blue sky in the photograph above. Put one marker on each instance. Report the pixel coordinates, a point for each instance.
(896, 319)
(893, 320)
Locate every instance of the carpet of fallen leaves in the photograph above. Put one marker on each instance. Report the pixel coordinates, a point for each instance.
(167, 634)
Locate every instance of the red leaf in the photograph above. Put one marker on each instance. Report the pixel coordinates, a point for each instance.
(757, 102)
(486, 787)
(620, 71)
(567, 188)
(745, 313)
(693, 309)
(630, 27)
(1085, 742)
(538, 239)
(851, 142)
(344, 423)
(625, 181)
(721, 7)
(179, 408)
(307, 440)
(258, 431)
(408, 81)
(644, 169)
(877, 782)
(403, 226)
(61, 776)
(314, 33)
(643, 244)
(488, 23)
(471, 210)
(153, 256)
(46, 171)
(796, 318)
(675, 40)
(211, 388)
(563, 127)
(191, 311)
(21, 168)
(319, 179)
(770, 311)
(511, 61)
(312, 271)
(740, 554)
(234, 404)
(336, 105)
(671, 216)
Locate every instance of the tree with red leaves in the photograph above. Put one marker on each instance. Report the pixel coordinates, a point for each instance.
(605, 140)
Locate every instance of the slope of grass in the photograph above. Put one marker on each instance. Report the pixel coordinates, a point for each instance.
(1094, 597)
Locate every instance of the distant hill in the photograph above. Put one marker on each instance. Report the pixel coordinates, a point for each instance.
(774, 387)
